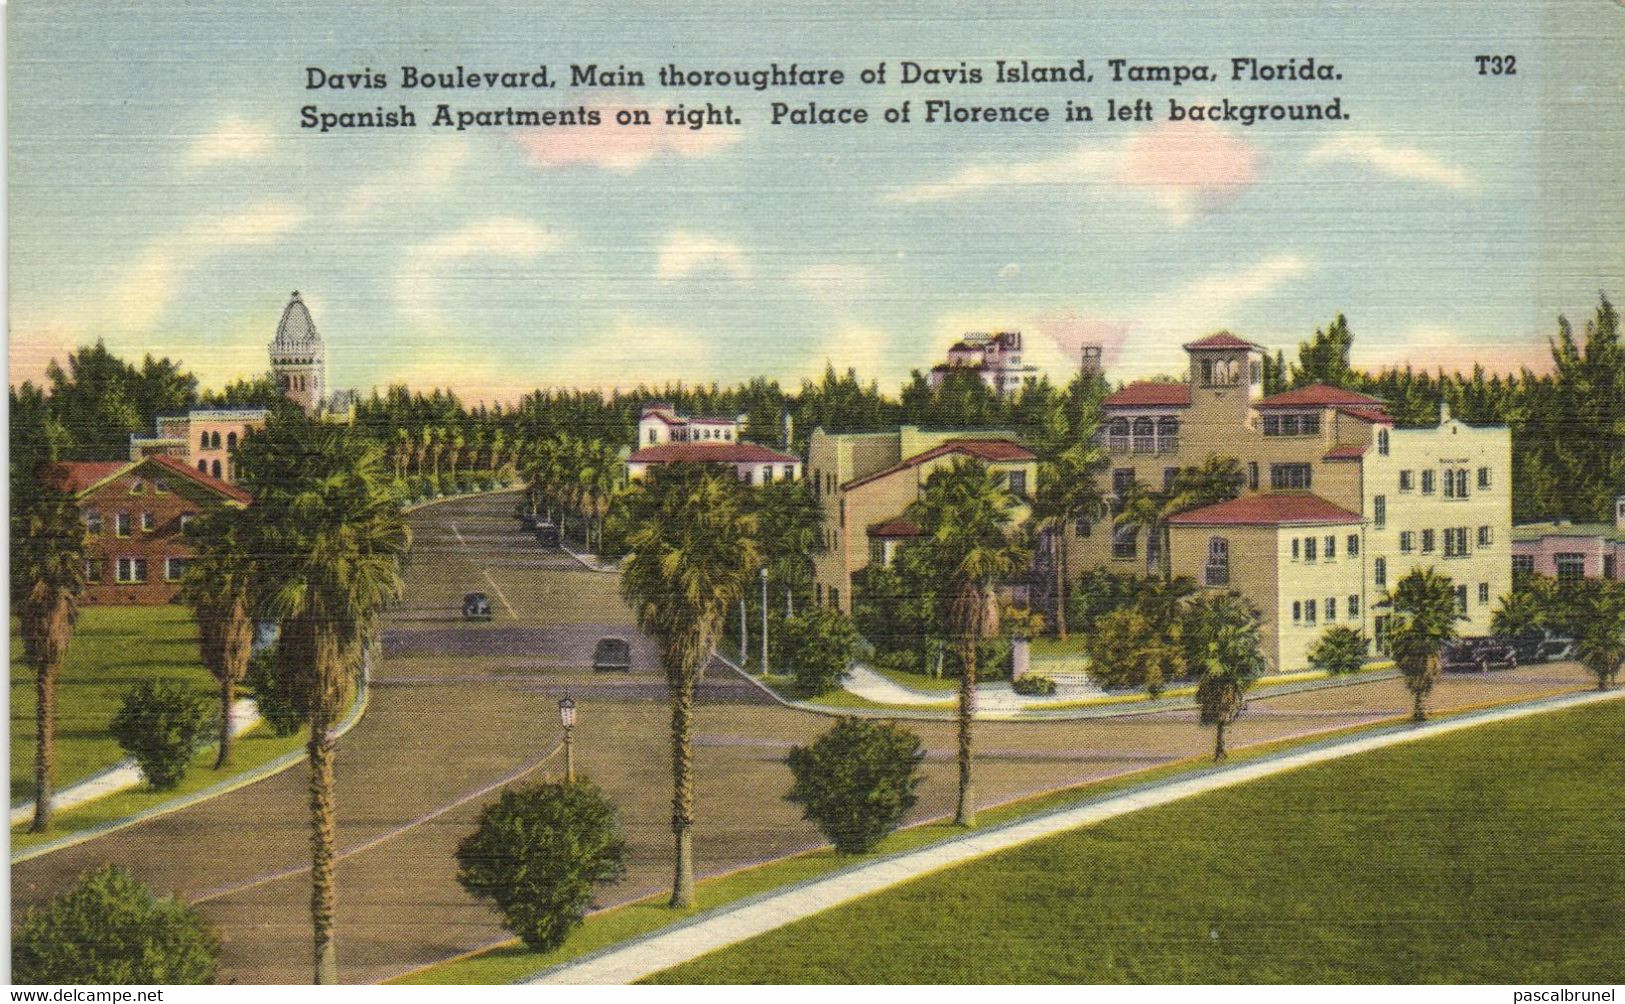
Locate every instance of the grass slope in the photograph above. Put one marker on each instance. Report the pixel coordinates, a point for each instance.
(1487, 856)
(113, 648)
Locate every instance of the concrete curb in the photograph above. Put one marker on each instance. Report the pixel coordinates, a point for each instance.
(414, 507)
(641, 957)
(260, 773)
(581, 559)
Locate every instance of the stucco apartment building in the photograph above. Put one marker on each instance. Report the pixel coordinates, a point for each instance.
(135, 513)
(994, 356)
(865, 483)
(1570, 551)
(665, 437)
(1337, 505)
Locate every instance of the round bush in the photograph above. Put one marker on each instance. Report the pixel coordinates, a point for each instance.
(856, 781)
(537, 854)
(162, 725)
(820, 644)
(111, 929)
(1034, 686)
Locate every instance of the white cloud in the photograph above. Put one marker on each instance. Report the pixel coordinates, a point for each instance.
(1200, 307)
(1397, 161)
(684, 254)
(631, 351)
(426, 266)
(1009, 271)
(233, 138)
(420, 181)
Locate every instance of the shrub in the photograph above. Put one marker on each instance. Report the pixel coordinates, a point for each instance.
(538, 852)
(1034, 686)
(277, 706)
(1127, 650)
(111, 929)
(1339, 650)
(856, 781)
(819, 643)
(162, 725)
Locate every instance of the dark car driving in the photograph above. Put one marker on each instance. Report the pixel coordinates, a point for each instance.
(476, 607)
(547, 535)
(612, 655)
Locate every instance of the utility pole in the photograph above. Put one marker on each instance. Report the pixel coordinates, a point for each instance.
(764, 621)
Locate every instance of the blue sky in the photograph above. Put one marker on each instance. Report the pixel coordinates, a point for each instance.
(163, 196)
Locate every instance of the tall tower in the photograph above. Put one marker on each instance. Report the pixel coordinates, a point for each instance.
(298, 357)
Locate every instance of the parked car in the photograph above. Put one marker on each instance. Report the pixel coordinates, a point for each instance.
(1541, 646)
(1478, 655)
(547, 535)
(529, 520)
(476, 607)
(612, 655)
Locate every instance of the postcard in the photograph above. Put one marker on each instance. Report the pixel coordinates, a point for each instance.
(1057, 493)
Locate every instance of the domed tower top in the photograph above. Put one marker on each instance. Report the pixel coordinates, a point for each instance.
(298, 357)
(296, 334)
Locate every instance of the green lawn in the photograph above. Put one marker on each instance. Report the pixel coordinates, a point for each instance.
(946, 685)
(113, 648)
(1486, 856)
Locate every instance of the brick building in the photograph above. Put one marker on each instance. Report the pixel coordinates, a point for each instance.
(135, 512)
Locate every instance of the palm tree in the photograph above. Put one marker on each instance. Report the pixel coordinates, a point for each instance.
(1068, 490)
(1141, 509)
(792, 535)
(692, 548)
(218, 584)
(1600, 645)
(965, 514)
(330, 539)
(1424, 621)
(1231, 666)
(47, 579)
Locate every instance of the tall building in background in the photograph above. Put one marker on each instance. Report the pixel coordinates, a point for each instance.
(299, 358)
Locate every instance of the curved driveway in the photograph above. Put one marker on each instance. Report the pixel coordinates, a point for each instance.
(458, 709)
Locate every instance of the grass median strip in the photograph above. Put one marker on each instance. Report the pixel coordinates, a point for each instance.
(511, 961)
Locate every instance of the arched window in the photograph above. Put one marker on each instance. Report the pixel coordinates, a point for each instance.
(203, 466)
(1145, 437)
(1218, 561)
(203, 441)
(214, 440)
(1168, 435)
(231, 440)
(1117, 434)
(215, 468)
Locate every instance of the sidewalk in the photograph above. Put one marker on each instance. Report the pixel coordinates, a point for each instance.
(632, 961)
(124, 774)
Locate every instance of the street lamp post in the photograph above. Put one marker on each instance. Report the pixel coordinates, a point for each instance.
(567, 715)
(764, 621)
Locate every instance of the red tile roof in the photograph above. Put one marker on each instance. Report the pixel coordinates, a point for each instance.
(1221, 340)
(215, 485)
(1345, 453)
(75, 476)
(1267, 510)
(991, 450)
(1320, 395)
(710, 453)
(895, 528)
(1375, 413)
(1149, 394)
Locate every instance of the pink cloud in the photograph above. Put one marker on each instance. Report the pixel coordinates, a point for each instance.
(621, 148)
(1190, 166)
(1071, 331)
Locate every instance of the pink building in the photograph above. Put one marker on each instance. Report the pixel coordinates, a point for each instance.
(1570, 551)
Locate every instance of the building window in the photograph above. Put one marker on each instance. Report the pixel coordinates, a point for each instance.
(1354, 545)
(767, 475)
(1382, 442)
(746, 475)
(1082, 526)
(1379, 511)
(1483, 536)
(789, 472)
(1168, 476)
(203, 467)
(95, 569)
(148, 522)
(1331, 609)
(203, 441)
(1379, 630)
(1309, 547)
(93, 521)
(1289, 476)
(1297, 611)
(1571, 567)
(132, 570)
(174, 568)
(1483, 592)
(1122, 481)
(1309, 611)
(1379, 571)
(1126, 543)
(214, 468)
(1297, 548)
(1523, 564)
(1461, 599)
(1218, 561)
(1407, 480)
(1427, 482)
(1252, 475)
(1167, 435)
(877, 552)
(819, 590)
(834, 597)
(1354, 606)
(214, 440)
(1407, 541)
(121, 525)
(1461, 483)
(1117, 435)
(1331, 546)
(1483, 477)
(1145, 435)
(1018, 483)
(1427, 541)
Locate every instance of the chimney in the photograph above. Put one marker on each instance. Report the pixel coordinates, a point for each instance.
(1091, 360)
